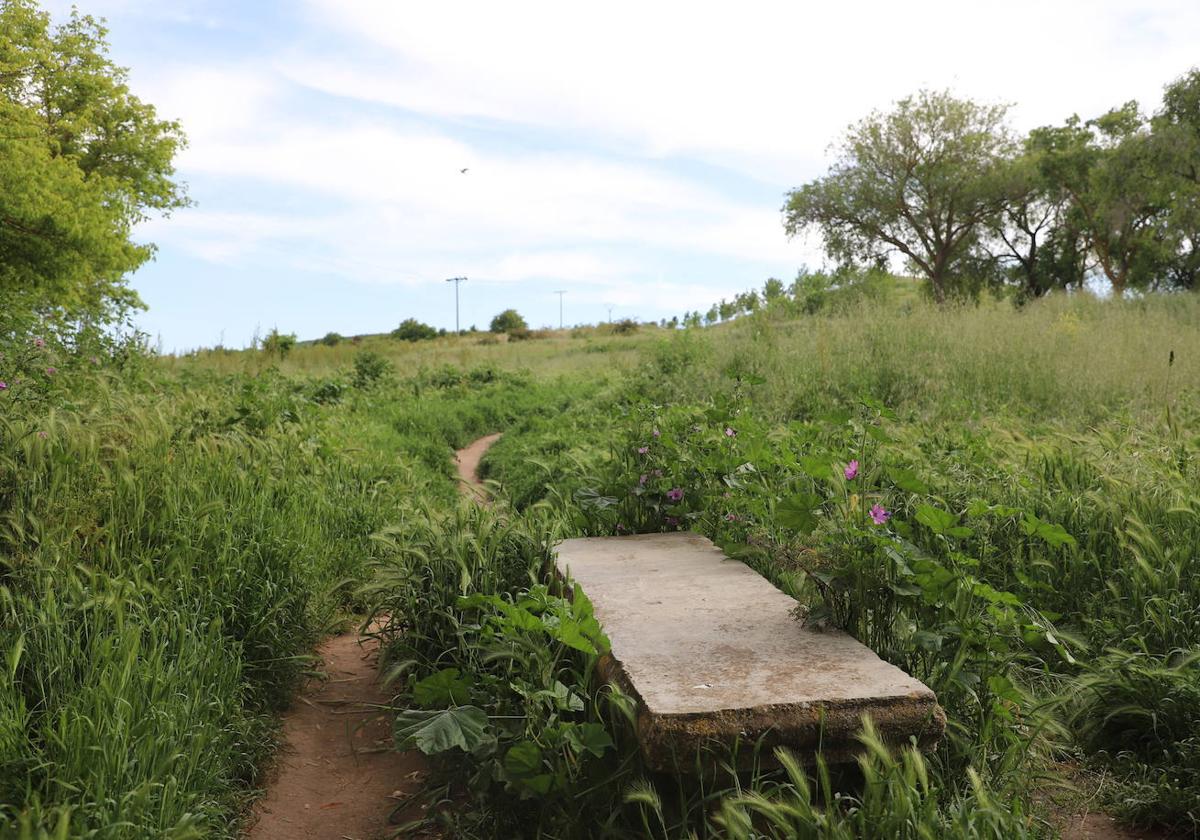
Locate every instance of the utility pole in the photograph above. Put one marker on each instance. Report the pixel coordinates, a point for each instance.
(560, 294)
(456, 281)
(610, 309)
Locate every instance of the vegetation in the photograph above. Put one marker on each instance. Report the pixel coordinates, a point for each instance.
(941, 182)
(1002, 500)
(82, 160)
(508, 321)
(411, 329)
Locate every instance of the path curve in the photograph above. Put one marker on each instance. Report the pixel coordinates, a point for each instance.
(338, 775)
(467, 464)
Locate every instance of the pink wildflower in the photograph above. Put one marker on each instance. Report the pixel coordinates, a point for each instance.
(851, 470)
(879, 515)
(39, 342)
(50, 371)
(675, 494)
(730, 432)
(657, 433)
(642, 450)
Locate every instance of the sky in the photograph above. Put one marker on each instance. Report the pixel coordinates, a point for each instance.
(635, 156)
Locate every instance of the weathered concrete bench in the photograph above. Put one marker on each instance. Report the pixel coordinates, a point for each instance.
(712, 652)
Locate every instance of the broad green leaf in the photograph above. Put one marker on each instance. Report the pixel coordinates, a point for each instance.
(936, 520)
(589, 737)
(796, 512)
(817, 466)
(523, 759)
(907, 480)
(445, 688)
(433, 732)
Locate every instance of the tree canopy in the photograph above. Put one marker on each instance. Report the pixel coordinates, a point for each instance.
(82, 161)
(943, 182)
(918, 180)
(508, 321)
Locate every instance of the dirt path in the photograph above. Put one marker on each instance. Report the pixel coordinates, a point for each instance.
(339, 776)
(467, 461)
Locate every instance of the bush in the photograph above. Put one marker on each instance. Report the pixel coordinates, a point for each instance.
(411, 329)
(626, 326)
(332, 339)
(369, 368)
(508, 321)
(278, 344)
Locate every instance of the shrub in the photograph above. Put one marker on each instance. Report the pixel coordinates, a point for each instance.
(332, 339)
(508, 321)
(369, 368)
(278, 344)
(411, 329)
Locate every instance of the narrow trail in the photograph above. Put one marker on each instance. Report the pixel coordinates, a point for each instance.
(467, 461)
(338, 775)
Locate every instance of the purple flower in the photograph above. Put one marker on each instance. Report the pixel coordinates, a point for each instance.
(851, 470)
(732, 517)
(730, 432)
(620, 528)
(672, 521)
(39, 342)
(657, 433)
(642, 450)
(43, 435)
(642, 480)
(879, 514)
(50, 371)
(675, 494)
(3, 386)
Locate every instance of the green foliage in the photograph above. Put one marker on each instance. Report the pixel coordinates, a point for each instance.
(918, 180)
(82, 160)
(411, 329)
(278, 344)
(369, 368)
(508, 321)
(332, 339)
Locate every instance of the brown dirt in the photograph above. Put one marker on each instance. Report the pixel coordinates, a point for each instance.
(338, 776)
(467, 462)
(1097, 826)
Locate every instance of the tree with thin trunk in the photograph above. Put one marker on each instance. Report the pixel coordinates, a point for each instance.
(919, 181)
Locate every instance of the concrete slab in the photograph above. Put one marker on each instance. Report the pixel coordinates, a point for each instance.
(711, 651)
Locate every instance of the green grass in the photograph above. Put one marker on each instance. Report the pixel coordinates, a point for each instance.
(176, 534)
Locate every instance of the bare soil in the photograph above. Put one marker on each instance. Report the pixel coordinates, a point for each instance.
(467, 463)
(339, 776)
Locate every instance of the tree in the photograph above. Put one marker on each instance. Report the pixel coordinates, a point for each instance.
(82, 160)
(411, 329)
(508, 321)
(278, 344)
(1034, 241)
(1110, 170)
(773, 289)
(917, 180)
(1176, 128)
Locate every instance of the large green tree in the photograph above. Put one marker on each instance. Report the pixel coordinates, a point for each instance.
(82, 161)
(1110, 169)
(919, 180)
(1176, 129)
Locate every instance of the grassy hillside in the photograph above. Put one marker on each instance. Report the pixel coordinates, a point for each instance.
(176, 533)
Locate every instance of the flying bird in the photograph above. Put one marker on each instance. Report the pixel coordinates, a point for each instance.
(463, 171)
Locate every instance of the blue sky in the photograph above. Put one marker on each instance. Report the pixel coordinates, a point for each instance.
(635, 155)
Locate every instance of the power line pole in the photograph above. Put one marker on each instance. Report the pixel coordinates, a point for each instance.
(456, 281)
(560, 296)
(610, 309)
